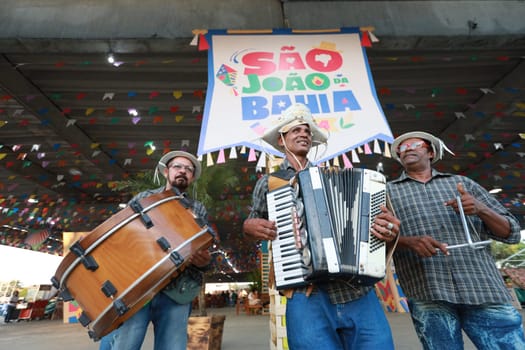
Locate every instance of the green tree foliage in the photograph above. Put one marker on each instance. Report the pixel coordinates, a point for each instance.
(137, 183)
(255, 278)
(214, 182)
(501, 251)
(208, 188)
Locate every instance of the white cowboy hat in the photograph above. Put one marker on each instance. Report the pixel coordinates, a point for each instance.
(438, 146)
(163, 162)
(294, 115)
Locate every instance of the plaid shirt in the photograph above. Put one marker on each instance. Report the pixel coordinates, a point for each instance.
(197, 207)
(466, 276)
(339, 290)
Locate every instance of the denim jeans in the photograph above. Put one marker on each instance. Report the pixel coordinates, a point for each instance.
(106, 342)
(314, 323)
(170, 321)
(490, 326)
(9, 313)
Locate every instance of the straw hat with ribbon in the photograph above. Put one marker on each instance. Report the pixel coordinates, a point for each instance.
(296, 114)
(438, 146)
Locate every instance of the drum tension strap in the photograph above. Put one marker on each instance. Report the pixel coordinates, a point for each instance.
(84, 320)
(88, 261)
(176, 258)
(65, 295)
(137, 208)
(110, 291)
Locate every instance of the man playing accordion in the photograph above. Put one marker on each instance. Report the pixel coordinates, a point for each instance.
(333, 314)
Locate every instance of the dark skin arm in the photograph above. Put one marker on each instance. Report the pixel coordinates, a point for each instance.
(498, 224)
(381, 223)
(200, 258)
(426, 246)
(259, 229)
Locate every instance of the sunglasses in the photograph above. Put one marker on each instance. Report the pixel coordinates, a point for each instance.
(411, 146)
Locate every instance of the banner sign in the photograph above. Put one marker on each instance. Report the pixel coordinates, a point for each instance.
(252, 78)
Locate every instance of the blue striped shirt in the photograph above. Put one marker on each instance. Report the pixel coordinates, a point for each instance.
(466, 276)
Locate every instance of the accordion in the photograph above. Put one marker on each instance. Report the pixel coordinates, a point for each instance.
(323, 220)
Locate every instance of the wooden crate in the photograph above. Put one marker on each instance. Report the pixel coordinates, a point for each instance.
(205, 333)
(279, 340)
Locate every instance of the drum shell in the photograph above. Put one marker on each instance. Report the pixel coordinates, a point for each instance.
(129, 257)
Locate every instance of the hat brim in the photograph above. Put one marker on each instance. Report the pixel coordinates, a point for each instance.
(436, 143)
(163, 162)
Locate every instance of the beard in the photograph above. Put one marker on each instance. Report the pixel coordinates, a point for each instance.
(181, 182)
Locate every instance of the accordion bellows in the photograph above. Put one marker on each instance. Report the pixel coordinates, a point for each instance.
(323, 223)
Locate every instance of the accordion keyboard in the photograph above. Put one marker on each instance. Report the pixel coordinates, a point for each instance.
(287, 258)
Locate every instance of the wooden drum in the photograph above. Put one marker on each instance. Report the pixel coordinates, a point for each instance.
(120, 265)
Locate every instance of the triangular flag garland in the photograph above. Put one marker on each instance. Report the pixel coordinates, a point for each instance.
(365, 40)
(111, 97)
(377, 148)
(261, 158)
(233, 153)
(221, 159)
(203, 43)
(373, 38)
(21, 213)
(346, 162)
(252, 155)
(336, 162)
(387, 151)
(261, 163)
(209, 159)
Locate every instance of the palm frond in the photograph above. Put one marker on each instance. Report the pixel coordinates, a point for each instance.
(213, 182)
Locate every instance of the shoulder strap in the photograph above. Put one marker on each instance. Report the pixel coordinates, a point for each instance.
(279, 178)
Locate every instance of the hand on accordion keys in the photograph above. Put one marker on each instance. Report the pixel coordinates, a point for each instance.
(386, 226)
(260, 229)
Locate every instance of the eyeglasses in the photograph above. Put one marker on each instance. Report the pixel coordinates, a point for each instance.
(411, 146)
(179, 167)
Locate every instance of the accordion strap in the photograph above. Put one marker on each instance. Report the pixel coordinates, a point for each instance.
(279, 178)
(392, 246)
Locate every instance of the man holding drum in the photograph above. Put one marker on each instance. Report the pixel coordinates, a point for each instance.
(332, 315)
(169, 310)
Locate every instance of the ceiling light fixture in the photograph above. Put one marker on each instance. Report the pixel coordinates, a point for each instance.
(495, 190)
(110, 58)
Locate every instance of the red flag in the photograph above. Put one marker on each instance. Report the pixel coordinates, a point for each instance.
(365, 40)
(203, 43)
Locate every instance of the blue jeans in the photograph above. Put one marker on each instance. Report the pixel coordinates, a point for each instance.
(9, 313)
(491, 326)
(106, 342)
(170, 322)
(314, 323)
